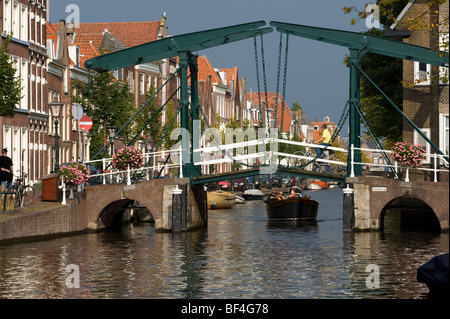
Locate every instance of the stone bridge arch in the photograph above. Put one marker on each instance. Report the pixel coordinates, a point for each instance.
(373, 195)
(99, 205)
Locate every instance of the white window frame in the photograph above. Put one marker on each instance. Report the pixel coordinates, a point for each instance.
(418, 80)
(444, 134)
(427, 146)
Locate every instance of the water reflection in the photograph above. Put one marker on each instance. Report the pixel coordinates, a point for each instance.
(240, 255)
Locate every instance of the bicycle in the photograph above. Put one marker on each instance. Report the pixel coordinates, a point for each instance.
(318, 166)
(24, 193)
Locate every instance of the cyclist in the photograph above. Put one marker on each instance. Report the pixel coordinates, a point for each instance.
(324, 140)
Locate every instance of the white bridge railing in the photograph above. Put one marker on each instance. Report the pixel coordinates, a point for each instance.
(256, 149)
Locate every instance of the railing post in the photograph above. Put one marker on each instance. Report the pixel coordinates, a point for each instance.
(396, 169)
(128, 175)
(103, 171)
(352, 161)
(63, 186)
(435, 168)
(181, 161)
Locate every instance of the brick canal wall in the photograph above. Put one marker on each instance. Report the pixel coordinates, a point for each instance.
(42, 223)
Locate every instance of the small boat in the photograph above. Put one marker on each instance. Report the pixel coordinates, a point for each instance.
(434, 274)
(240, 200)
(292, 209)
(317, 185)
(221, 199)
(253, 194)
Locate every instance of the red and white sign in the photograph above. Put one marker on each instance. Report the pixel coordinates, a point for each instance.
(86, 123)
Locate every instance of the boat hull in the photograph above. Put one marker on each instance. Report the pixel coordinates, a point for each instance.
(221, 199)
(292, 209)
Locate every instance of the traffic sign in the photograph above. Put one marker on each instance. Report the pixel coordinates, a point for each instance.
(77, 111)
(86, 123)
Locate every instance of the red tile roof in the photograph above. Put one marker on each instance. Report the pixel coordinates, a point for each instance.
(286, 114)
(89, 36)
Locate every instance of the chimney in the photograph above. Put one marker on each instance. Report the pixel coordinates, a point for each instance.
(163, 27)
(63, 50)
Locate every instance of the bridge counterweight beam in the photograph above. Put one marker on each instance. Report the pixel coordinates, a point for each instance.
(354, 117)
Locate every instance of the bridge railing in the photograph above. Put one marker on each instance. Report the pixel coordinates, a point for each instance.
(128, 173)
(436, 158)
(265, 156)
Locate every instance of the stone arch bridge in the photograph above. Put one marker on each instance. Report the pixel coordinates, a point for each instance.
(373, 195)
(103, 205)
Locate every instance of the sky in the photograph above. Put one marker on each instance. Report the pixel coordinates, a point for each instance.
(317, 78)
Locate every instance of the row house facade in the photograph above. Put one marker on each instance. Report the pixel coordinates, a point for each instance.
(25, 136)
(426, 89)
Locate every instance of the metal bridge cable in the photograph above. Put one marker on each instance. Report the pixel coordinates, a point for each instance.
(133, 117)
(257, 78)
(401, 113)
(283, 95)
(375, 138)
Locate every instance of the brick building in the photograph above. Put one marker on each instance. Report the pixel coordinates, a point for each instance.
(25, 135)
(425, 94)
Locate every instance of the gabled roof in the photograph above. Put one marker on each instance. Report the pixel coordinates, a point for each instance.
(89, 36)
(286, 113)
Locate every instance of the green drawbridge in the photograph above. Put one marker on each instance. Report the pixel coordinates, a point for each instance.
(182, 46)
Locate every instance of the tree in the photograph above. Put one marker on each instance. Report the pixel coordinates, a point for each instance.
(149, 119)
(297, 107)
(109, 103)
(10, 88)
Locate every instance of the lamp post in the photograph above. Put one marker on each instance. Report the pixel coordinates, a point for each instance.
(56, 110)
(112, 130)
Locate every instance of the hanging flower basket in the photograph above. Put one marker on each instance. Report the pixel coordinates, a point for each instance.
(408, 155)
(74, 174)
(131, 156)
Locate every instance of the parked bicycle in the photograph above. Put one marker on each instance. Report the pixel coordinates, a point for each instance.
(317, 166)
(24, 193)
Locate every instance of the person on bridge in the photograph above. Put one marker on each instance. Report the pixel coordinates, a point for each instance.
(324, 140)
(6, 170)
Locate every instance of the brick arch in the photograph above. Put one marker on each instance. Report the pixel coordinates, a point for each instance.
(434, 195)
(406, 200)
(148, 193)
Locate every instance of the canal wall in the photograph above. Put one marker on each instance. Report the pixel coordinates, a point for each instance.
(47, 222)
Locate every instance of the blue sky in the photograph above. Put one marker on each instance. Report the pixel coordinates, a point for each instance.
(316, 77)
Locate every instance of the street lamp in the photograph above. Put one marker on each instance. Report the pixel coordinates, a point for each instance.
(56, 110)
(112, 130)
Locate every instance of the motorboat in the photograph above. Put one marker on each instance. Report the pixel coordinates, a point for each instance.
(434, 273)
(221, 199)
(253, 194)
(317, 185)
(292, 209)
(240, 200)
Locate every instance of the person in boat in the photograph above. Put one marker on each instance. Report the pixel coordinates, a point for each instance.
(272, 197)
(280, 196)
(294, 194)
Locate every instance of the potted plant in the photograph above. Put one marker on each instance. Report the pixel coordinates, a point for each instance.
(127, 157)
(74, 175)
(407, 155)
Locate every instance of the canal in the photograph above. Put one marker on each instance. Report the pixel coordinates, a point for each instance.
(239, 255)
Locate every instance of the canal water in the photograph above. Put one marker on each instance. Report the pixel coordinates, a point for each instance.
(239, 255)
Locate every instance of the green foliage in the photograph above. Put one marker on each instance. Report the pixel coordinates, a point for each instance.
(10, 88)
(109, 103)
(153, 127)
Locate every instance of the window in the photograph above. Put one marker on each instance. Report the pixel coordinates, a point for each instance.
(422, 73)
(418, 139)
(142, 83)
(444, 134)
(7, 17)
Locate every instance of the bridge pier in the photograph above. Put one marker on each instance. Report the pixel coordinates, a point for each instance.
(373, 195)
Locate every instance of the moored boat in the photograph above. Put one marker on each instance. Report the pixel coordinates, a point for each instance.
(221, 199)
(253, 194)
(317, 185)
(240, 200)
(435, 274)
(292, 209)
